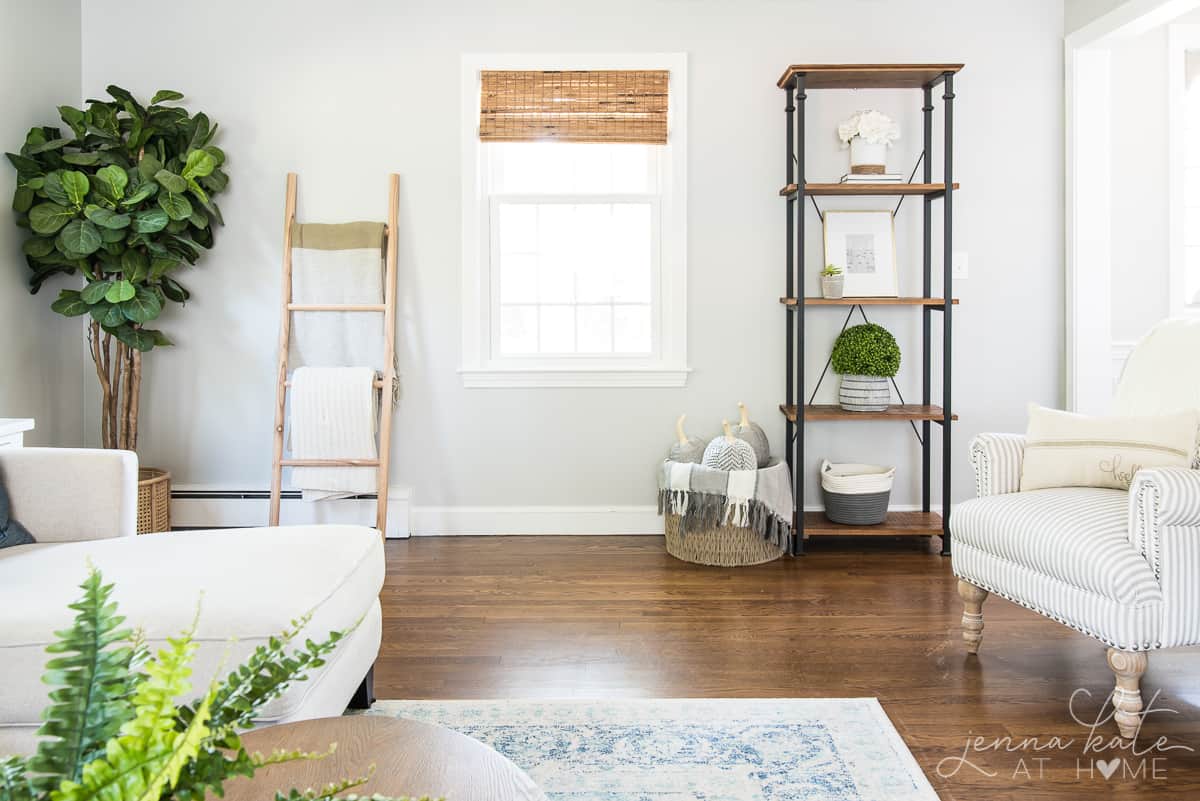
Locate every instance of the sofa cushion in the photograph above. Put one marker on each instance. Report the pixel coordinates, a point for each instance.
(1076, 535)
(248, 585)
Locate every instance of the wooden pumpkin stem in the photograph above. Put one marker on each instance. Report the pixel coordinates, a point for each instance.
(745, 414)
(728, 431)
(683, 440)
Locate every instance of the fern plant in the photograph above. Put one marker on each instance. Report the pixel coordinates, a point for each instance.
(114, 730)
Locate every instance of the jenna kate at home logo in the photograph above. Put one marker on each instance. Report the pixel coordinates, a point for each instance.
(1093, 754)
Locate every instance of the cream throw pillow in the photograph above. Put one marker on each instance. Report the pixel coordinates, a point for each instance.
(1063, 449)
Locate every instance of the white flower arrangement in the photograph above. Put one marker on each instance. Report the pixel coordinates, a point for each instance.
(874, 127)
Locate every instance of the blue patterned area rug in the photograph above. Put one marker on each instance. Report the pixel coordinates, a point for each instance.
(692, 750)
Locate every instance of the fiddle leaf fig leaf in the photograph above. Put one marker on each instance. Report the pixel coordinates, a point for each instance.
(79, 237)
(143, 191)
(135, 265)
(171, 182)
(165, 95)
(48, 218)
(81, 159)
(94, 292)
(199, 164)
(120, 292)
(52, 185)
(148, 166)
(106, 218)
(177, 207)
(76, 185)
(38, 246)
(150, 221)
(112, 181)
(69, 304)
(142, 307)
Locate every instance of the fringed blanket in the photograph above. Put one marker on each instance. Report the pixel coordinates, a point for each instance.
(706, 498)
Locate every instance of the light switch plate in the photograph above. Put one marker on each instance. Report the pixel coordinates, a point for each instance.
(958, 266)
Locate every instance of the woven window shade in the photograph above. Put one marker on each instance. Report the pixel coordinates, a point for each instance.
(574, 106)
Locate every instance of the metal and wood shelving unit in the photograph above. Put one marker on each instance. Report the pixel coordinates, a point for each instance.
(796, 82)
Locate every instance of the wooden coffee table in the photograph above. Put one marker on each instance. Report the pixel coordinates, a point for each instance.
(410, 758)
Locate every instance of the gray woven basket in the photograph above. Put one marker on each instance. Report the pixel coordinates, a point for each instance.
(869, 509)
(724, 546)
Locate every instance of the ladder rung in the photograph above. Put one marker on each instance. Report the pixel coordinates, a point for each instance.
(329, 462)
(337, 307)
(378, 383)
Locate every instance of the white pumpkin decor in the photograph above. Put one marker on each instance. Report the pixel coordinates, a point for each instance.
(727, 452)
(685, 449)
(752, 434)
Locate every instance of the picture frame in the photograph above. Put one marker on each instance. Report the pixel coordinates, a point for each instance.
(863, 244)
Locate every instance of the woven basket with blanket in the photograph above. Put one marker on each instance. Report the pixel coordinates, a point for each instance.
(727, 518)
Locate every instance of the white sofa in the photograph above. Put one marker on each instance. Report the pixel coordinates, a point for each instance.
(1121, 566)
(249, 583)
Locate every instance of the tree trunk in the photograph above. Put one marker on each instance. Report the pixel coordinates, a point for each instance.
(120, 380)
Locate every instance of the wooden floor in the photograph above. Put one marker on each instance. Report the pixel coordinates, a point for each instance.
(597, 617)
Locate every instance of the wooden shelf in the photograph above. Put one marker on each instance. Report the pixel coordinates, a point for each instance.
(897, 411)
(868, 76)
(868, 301)
(897, 524)
(865, 190)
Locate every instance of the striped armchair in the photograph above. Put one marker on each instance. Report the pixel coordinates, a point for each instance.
(1120, 566)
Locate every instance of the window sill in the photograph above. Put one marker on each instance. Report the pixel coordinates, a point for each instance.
(516, 377)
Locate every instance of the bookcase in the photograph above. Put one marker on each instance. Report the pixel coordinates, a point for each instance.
(797, 82)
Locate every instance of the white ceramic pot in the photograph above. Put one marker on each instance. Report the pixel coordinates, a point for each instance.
(864, 393)
(832, 286)
(866, 158)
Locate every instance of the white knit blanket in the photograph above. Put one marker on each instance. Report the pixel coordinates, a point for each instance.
(333, 417)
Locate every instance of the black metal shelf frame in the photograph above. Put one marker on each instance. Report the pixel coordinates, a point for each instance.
(795, 318)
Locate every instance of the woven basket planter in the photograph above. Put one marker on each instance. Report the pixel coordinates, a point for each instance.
(725, 546)
(154, 501)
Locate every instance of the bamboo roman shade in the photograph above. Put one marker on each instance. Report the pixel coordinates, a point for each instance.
(574, 106)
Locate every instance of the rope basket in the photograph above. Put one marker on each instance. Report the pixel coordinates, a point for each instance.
(724, 546)
(154, 501)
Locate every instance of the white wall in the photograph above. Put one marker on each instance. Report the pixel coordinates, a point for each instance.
(345, 93)
(41, 353)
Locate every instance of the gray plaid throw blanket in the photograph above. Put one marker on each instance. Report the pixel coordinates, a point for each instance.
(706, 498)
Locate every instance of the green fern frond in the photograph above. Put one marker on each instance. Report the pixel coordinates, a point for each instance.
(93, 681)
(281, 755)
(148, 756)
(14, 781)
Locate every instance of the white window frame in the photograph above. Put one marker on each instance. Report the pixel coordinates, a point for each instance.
(667, 365)
(1180, 39)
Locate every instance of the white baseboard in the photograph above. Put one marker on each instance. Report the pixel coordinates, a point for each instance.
(199, 506)
(214, 507)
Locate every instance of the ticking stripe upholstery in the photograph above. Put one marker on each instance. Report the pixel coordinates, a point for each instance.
(1075, 535)
(997, 462)
(1164, 526)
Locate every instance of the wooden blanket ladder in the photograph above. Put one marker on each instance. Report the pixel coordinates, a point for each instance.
(384, 384)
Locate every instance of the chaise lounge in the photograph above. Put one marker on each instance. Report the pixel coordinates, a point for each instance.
(248, 584)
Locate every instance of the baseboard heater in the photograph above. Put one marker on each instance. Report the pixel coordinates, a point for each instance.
(211, 507)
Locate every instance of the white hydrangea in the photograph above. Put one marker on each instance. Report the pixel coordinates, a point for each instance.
(874, 127)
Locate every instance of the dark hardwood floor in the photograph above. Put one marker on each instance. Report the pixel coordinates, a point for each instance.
(597, 617)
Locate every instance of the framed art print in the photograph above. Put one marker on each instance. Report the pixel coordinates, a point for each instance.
(863, 245)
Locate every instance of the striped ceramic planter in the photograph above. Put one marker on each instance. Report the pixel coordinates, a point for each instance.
(864, 393)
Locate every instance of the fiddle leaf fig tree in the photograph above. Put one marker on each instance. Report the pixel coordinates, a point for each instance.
(123, 196)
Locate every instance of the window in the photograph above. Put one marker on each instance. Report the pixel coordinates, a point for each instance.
(573, 261)
(1184, 170)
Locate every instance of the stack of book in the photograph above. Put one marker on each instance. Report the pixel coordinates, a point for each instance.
(885, 178)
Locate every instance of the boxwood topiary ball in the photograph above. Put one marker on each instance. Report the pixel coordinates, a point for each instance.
(867, 349)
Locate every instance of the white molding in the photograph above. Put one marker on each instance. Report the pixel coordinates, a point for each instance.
(498, 378)
(1130, 18)
(1180, 39)
(202, 510)
(668, 366)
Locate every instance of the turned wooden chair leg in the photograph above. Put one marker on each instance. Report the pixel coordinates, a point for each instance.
(972, 619)
(1128, 667)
